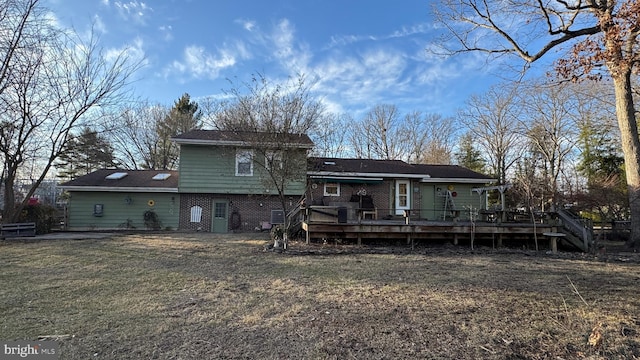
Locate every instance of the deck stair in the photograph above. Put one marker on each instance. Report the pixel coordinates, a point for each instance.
(578, 230)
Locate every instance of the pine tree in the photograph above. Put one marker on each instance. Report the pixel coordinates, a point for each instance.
(600, 156)
(85, 153)
(468, 156)
(184, 116)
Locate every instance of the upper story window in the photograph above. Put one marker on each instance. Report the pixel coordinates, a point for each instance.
(244, 163)
(273, 160)
(331, 189)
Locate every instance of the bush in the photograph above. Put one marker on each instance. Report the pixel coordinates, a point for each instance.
(43, 215)
(151, 220)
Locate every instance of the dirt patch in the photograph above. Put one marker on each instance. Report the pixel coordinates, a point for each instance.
(184, 296)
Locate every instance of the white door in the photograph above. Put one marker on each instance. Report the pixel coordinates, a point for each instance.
(403, 196)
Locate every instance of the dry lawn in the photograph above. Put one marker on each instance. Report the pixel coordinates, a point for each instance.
(202, 296)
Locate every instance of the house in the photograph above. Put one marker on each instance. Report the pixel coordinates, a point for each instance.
(384, 189)
(231, 181)
(123, 199)
(235, 181)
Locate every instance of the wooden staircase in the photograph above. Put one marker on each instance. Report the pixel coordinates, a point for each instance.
(579, 231)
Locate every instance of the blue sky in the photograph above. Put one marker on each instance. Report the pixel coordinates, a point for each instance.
(360, 53)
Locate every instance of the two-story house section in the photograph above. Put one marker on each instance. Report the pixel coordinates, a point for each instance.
(230, 181)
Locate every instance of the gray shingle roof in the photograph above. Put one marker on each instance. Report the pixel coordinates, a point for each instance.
(133, 179)
(370, 166)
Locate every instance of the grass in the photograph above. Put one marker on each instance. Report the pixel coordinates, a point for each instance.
(187, 296)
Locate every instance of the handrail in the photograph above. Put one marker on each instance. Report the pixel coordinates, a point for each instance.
(577, 227)
(293, 216)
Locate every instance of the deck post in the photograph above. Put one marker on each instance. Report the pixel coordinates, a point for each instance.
(308, 220)
(410, 240)
(455, 239)
(359, 239)
(499, 240)
(553, 239)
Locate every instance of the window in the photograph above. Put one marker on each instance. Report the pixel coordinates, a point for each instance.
(196, 214)
(116, 176)
(220, 210)
(273, 160)
(244, 163)
(403, 196)
(161, 176)
(331, 189)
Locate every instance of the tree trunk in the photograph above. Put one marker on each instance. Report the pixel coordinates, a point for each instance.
(9, 214)
(625, 112)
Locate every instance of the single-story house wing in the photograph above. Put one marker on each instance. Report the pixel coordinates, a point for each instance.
(389, 188)
(113, 199)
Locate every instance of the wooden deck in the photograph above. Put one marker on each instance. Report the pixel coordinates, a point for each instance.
(324, 223)
(455, 231)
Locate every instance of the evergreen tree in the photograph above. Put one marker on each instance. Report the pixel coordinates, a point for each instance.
(603, 167)
(84, 154)
(184, 116)
(468, 156)
(600, 154)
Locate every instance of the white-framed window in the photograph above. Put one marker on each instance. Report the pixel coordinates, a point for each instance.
(331, 189)
(273, 159)
(244, 162)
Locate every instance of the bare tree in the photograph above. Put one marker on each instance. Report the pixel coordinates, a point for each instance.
(549, 124)
(132, 131)
(379, 134)
(271, 119)
(492, 119)
(329, 135)
(55, 80)
(603, 40)
(19, 29)
(429, 138)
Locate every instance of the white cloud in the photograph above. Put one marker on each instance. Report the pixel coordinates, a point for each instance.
(133, 10)
(198, 63)
(417, 29)
(292, 55)
(166, 31)
(99, 25)
(367, 78)
(134, 51)
(248, 25)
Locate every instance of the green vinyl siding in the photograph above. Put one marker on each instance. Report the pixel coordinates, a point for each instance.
(212, 169)
(121, 210)
(434, 196)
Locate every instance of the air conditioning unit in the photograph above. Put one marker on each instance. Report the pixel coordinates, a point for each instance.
(277, 217)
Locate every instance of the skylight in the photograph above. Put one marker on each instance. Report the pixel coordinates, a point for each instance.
(116, 176)
(161, 176)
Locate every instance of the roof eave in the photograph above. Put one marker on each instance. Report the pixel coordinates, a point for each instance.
(238, 143)
(367, 175)
(422, 177)
(459, 180)
(119, 189)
